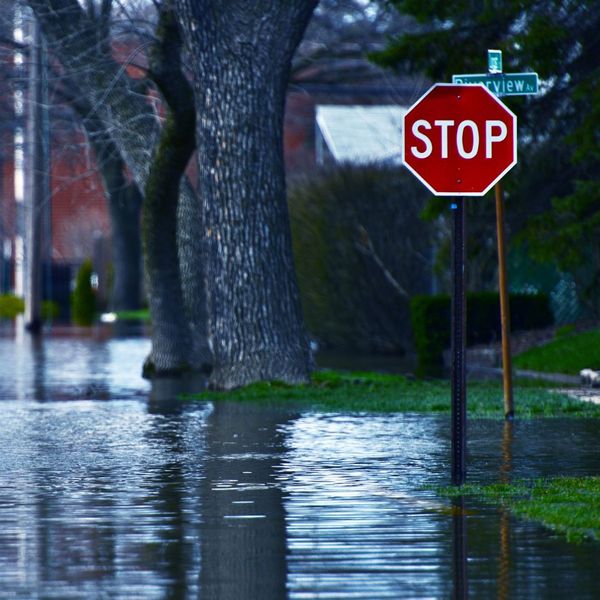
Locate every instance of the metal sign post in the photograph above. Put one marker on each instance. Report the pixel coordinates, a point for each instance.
(459, 140)
(459, 334)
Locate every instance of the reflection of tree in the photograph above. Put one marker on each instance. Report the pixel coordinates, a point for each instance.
(38, 360)
(239, 518)
(243, 536)
(174, 556)
(75, 536)
(26, 376)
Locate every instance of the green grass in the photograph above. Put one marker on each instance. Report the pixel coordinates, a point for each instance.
(568, 505)
(10, 306)
(568, 354)
(134, 315)
(375, 392)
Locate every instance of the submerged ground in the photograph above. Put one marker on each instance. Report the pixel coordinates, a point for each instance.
(110, 491)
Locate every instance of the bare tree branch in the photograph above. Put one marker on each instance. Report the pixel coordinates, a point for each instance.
(365, 246)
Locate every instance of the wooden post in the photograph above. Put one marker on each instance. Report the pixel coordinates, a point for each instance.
(509, 411)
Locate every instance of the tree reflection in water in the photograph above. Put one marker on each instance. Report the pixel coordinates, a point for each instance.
(136, 497)
(239, 530)
(244, 531)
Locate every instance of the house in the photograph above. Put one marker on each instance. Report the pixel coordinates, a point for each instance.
(321, 114)
(358, 134)
(321, 106)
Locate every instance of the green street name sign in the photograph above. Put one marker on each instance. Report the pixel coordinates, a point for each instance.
(503, 84)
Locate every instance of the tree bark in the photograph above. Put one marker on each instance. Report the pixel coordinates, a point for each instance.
(170, 329)
(241, 53)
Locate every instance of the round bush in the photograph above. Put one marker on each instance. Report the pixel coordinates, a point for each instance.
(361, 252)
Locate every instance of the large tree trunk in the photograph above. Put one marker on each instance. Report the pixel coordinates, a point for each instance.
(241, 53)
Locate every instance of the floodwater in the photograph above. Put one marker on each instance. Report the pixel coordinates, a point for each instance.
(107, 491)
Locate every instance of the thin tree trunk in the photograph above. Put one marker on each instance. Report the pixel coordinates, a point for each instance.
(124, 202)
(125, 207)
(170, 329)
(241, 58)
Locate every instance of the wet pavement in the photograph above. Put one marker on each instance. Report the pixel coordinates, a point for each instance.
(107, 491)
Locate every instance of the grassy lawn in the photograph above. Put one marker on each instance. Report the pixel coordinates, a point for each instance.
(375, 392)
(569, 505)
(568, 355)
(134, 315)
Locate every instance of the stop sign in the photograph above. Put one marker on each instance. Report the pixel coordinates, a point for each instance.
(459, 140)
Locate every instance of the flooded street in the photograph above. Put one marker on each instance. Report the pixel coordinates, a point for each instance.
(108, 492)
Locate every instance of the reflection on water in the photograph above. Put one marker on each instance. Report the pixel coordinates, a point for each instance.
(338, 470)
(107, 491)
(459, 550)
(62, 368)
(243, 518)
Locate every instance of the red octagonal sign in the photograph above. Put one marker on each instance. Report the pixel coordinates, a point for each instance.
(459, 140)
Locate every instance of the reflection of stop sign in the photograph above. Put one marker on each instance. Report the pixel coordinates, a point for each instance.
(459, 140)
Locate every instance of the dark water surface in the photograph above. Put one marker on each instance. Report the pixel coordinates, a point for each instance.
(108, 492)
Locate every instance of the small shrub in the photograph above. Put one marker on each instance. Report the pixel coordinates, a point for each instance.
(564, 331)
(50, 310)
(83, 299)
(430, 318)
(10, 306)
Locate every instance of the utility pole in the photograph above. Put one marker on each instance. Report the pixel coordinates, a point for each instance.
(36, 179)
(19, 151)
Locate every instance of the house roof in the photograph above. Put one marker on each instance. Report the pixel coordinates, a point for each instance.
(362, 134)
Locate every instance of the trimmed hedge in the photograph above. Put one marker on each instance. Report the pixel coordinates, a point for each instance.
(10, 306)
(83, 299)
(430, 318)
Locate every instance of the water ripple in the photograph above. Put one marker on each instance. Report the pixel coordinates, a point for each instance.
(119, 496)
